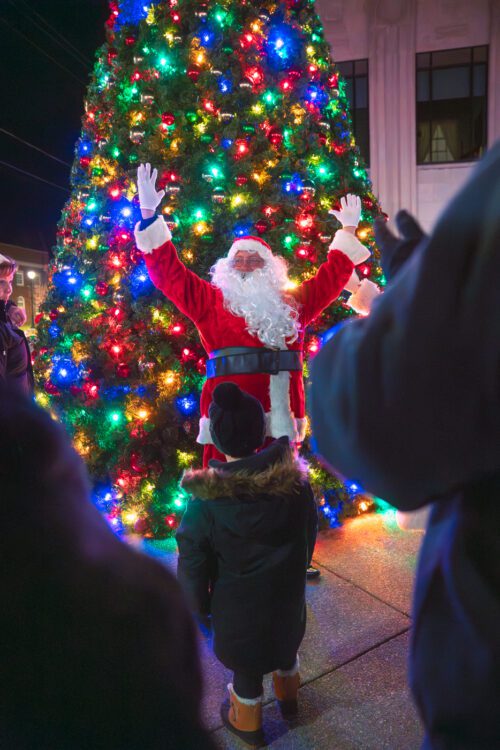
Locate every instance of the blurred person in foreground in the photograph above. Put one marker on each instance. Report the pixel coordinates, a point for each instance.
(407, 403)
(97, 648)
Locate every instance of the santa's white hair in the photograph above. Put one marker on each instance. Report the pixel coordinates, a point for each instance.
(258, 296)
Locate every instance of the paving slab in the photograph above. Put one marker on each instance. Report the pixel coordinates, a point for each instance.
(363, 705)
(375, 554)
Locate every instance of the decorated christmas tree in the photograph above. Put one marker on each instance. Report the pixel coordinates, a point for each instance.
(240, 108)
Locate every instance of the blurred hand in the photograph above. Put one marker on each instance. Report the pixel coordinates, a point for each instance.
(17, 316)
(5, 290)
(149, 197)
(350, 210)
(204, 623)
(395, 251)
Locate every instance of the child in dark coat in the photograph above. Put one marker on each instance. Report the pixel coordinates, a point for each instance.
(244, 545)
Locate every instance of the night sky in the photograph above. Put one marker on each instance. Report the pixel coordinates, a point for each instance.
(41, 102)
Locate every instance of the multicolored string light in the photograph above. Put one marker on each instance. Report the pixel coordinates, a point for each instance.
(240, 108)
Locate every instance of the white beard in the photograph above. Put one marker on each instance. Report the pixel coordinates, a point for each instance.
(258, 298)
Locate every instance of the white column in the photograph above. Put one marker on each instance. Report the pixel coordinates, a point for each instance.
(494, 74)
(392, 48)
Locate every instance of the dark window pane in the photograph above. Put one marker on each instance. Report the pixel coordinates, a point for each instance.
(362, 134)
(452, 106)
(423, 94)
(361, 92)
(451, 83)
(480, 54)
(423, 60)
(479, 127)
(451, 57)
(479, 80)
(345, 68)
(349, 90)
(355, 77)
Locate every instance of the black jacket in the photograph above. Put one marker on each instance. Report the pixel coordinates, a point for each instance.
(407, 402)
(97, 646)
(244, 543)
(15, 360)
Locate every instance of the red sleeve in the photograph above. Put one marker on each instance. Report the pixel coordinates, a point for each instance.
(317, 293)
(192, 295)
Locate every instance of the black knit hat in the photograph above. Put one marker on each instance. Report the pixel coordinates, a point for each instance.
(237, 421)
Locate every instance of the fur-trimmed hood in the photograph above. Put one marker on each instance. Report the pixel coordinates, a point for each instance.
(273, 471)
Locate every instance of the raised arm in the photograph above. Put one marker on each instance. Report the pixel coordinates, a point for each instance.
(337, 273)
(192, 295)
(406, 400)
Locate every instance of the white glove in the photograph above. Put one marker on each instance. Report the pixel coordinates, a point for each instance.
(149, 197)
(350, 210)
(362, 300)
(353, 284)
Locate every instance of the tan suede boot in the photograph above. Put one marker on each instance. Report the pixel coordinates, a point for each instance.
(243, 717)
(286, 688)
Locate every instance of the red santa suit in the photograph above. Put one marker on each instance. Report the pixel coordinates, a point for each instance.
(282, 393)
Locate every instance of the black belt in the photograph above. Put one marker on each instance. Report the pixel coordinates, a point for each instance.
(246, 360)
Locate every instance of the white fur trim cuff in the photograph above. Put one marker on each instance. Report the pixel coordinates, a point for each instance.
(348, 244)
(154, 236)
(290, 672)
(353, 283)
(245, 701)
(362, 300)
(250, 245)
(301, 427)
(204, 436)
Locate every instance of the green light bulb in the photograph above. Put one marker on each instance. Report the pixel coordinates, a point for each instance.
(86, 292)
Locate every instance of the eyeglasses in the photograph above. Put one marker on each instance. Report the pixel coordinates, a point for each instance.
(250, 262)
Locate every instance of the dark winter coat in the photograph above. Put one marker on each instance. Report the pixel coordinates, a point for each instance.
(244, 545)
(29, 366)
(97, 646)
(407, 402)
(15, 360)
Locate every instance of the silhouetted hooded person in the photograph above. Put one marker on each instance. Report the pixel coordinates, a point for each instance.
(97, 648)
(15, 356)
(407, 403)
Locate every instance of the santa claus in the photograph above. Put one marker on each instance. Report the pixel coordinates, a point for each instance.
(249, 321)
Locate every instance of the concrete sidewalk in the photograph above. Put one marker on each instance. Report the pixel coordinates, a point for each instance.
(354, 693)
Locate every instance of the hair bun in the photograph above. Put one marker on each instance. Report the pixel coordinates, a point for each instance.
(227, 396)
